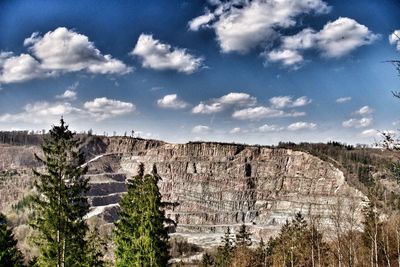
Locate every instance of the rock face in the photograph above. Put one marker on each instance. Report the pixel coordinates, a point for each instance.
(221, 185)
(218, 185)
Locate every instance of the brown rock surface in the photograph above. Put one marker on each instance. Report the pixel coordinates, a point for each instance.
(216, 185)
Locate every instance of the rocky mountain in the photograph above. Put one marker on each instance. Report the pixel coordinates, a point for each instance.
(216, 185)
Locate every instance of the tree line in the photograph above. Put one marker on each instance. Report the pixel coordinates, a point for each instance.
(306, 243)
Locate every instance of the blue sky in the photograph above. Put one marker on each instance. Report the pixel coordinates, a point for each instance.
(257, 72)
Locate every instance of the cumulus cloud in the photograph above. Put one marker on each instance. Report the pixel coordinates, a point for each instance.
(58, 51)
(203, 108)
(235, 130)
(219, 104)
(256, 113)
(269, 128)
(20, 68)
(201, 21)
(237, 99)
(104, 108)
(171, 101)
(41, 112)
(301, 125)
(357, 123)
(285, 56)
(394, 39)
(288, 101)
(47, 112)
(341, 100)
(68, 51)
(242, 25)
(280, 101)
(342, 36)
(201, 129)
(336, 39)
(364, 110)
(161, 56)
(362, 122)
(70, 93)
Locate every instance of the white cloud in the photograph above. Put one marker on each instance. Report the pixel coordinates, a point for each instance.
(342, 36)
(269, 128)
(68, 51)
(207, 108)
(260, 112)
(305, 39)
(201, 129)
(219, 104)
(41, 112)
(242, 25)
(201, 21)
(235, 130)
(394, 39)
(286, 56)
(357, 123)
(280, 101)
(341, 100)
(161, 56)
(56, 52)
(48, 112)
(288, 101)
(364, 110)
(171, 101)
(336, 39)
(20, 68)
(237, 99)
(70, 93)
(370, 133)
(104, 108)
(301, 126)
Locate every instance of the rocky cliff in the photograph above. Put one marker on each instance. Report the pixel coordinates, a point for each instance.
(216, 185)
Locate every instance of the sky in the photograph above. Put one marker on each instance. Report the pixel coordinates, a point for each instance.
(255, 72)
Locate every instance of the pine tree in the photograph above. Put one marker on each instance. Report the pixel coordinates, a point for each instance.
(10, 256)
(207, 260)
(95, 248)
(259, 256)
(243, 236)
(140, 235)
(61, 203)
(224, 253)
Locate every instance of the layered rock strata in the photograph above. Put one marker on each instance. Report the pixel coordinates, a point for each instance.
(223, 185)
(216, 185)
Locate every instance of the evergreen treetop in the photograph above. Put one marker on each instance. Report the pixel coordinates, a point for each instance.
(60, 203)
(140, 234)
(243, 236)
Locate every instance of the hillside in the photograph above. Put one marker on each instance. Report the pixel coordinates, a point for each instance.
(216, 184)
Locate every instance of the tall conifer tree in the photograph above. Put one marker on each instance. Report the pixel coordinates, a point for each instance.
(225, 251)
(140, 234)
(10, 256)
(60, 203)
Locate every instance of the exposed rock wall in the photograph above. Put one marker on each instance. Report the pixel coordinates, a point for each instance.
(216, 185)
(221, 185)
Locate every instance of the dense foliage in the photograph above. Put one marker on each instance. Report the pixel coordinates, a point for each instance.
(10, 256)
(140, 235)
(60, 203)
